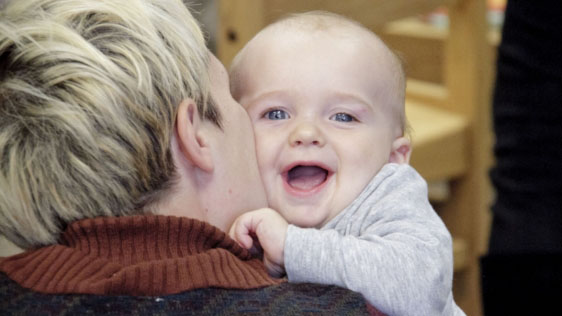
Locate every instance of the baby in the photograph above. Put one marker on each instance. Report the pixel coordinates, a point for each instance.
(326, 99)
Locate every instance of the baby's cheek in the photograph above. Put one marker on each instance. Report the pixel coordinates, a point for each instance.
(266, 172)
(265, 150)
(262, 157)
(266, 153)
(272, 201)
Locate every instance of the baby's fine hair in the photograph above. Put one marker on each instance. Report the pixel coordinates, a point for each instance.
(323, 21)
(89, 91)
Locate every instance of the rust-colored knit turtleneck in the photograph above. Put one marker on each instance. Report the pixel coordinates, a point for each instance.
(137, 255)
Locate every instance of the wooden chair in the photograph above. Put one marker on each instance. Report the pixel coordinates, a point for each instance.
(450, 118)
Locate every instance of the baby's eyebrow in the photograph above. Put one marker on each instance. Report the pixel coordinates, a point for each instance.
(269, 95)
(357, 103)
(347, 97)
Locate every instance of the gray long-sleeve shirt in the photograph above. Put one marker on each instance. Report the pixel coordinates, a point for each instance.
(388, 244)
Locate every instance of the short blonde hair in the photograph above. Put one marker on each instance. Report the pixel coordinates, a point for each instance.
(314, 21)
(88, 98)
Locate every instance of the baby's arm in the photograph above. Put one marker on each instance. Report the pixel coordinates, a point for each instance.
(385, 267)
(396, 273)
(270, 228)
(389, 245)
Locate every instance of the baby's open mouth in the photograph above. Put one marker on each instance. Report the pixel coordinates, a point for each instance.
(306, 177)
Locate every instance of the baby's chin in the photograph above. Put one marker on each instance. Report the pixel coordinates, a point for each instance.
(304, 218)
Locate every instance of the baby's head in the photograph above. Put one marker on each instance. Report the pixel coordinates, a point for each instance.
(326, 99)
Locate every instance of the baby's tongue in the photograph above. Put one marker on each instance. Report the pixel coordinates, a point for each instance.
(306, 177)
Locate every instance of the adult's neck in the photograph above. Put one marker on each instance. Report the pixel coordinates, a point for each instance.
(187, 196)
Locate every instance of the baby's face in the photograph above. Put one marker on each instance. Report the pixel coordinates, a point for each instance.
(322, 123)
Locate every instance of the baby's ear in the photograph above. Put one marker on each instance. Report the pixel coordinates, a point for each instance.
(401, 150)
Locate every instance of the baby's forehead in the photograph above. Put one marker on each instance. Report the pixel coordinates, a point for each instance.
(314, 35)
(364, 49)
(292, 34)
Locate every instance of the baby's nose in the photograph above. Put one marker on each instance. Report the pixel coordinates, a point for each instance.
(305, 134)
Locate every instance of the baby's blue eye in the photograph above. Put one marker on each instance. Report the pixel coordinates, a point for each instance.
(277, 115)
(342, 117)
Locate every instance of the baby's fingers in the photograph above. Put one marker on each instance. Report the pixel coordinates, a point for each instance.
(240, 232)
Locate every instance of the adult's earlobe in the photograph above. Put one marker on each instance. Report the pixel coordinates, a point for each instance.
(191, 137)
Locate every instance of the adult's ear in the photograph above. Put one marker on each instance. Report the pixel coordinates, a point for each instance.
(192, 137)
(401, 150)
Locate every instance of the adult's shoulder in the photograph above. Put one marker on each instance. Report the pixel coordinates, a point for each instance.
(282, 299)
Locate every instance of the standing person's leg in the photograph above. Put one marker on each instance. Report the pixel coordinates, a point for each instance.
(523, 269)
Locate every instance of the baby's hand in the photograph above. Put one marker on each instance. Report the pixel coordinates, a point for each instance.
(270, 228)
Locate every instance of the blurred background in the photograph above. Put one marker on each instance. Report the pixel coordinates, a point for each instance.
(450, 52)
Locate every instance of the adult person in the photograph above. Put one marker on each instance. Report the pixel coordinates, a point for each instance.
(123, 159)
(521, 274)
